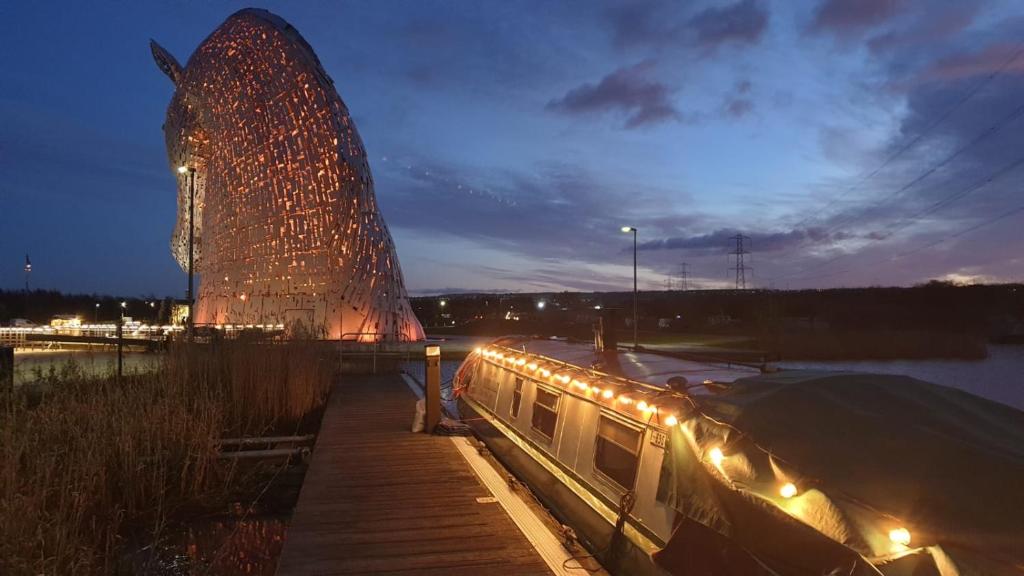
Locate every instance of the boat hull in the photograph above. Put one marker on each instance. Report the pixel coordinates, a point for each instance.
(592, 529)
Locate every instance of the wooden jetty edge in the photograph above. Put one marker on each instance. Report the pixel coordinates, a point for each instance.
(379, 499)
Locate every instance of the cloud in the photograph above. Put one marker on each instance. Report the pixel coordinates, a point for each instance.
(1004, 56)
(721, 241)
(628, 91)
(661, 24)
(739, 107)
(847, 18)
(738, 103)
(743, 22)
(934, 24)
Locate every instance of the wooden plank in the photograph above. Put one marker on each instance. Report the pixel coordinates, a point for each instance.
(378, 499)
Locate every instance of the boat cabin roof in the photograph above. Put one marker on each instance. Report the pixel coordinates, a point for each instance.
(647, 367)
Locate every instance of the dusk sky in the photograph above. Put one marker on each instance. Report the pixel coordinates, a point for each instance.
(856, 142)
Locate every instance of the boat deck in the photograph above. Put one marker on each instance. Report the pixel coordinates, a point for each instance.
(378, 499)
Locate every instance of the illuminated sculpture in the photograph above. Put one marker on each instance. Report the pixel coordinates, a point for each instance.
(287, 229)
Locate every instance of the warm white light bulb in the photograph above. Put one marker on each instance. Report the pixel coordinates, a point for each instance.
(900, 536)
(716, 455)
(182, 169)
(788, 490)
(671, 420)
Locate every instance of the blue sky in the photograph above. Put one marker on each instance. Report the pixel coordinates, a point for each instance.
(510, 140)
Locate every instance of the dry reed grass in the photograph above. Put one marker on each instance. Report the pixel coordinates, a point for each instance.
(97, 460)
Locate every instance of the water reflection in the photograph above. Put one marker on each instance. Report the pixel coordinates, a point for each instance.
(235, 547)
(226, 547)
(998, 377)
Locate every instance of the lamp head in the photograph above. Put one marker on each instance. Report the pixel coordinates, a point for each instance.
(628, 229)
(182, 169)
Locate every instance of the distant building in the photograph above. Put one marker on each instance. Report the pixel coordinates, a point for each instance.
(66, 321)
(179, 314)
(287, 228)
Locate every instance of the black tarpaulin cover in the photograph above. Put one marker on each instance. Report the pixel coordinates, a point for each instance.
(870, 454)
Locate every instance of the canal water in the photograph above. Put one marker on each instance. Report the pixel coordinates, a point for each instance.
(31, 365)
(999, 377)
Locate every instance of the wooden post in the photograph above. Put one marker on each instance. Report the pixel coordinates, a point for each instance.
(120, 346)
(433, 399)
(7, 368)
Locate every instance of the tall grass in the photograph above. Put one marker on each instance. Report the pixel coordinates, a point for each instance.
(95, 460)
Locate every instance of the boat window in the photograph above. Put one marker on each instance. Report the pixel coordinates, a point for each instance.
(617, 452)
(517, 397)
(545, 412)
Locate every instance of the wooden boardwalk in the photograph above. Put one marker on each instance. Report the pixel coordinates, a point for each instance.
(378, 499)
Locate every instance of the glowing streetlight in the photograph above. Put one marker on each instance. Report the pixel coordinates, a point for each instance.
(541, 304)
(636, 338)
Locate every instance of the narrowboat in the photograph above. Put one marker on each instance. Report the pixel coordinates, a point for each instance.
(662, 465)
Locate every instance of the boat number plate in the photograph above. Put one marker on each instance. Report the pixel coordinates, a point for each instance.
(659, 439)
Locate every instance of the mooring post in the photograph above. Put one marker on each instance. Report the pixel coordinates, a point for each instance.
(433, 399)
(7, 368)
(120, 346)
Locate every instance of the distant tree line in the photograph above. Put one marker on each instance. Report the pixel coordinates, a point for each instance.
(39, 306)
(995, 312)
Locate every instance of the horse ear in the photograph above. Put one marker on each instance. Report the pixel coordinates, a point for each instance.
(165, 61)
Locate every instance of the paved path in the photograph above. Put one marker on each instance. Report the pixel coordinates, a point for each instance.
(378, 499)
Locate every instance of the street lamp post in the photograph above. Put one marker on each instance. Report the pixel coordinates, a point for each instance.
(636, 338)
(96, 316)
(191, 244)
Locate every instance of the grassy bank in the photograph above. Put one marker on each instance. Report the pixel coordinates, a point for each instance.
(872, 345)
(95, 460)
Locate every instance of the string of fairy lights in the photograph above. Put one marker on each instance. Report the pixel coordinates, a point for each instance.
(652, 405)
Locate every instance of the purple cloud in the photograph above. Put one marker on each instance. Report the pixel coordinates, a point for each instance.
(939, 23)
(850, 17)
(1001, 56)
(743, 22)
(661, 24)
(739, 107)
(627, 90)
(738, 104)
(719, 241)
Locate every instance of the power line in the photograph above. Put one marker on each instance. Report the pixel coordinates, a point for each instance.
(908, 220)
(942, 118)
(964, 232)
(740, 268)
(984, 224)
(683, 277)
(993, 129)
